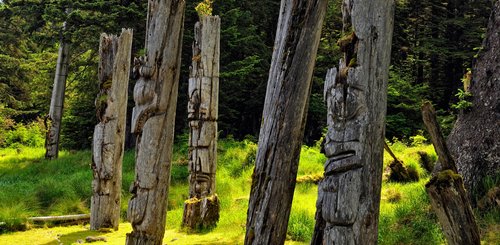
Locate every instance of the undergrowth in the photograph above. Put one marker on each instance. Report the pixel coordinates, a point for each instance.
(32, 186)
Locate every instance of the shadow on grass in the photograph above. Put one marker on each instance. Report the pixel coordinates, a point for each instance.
(73, 237)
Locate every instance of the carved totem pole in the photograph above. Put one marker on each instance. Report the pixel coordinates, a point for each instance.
(356, 96)
(109, 133)
(283, 120)
(153, 118)
(54, 118)
(202, 209)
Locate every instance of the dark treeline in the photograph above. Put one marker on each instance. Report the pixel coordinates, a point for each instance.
(434, 44)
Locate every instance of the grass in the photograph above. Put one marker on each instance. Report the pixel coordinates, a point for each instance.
(32, 186)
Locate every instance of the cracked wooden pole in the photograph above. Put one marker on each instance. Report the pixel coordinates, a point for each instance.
(356, 96)
(53, 119)
(446, 190)
(109, 133)
(153, 118)
(202, 209)
(283, 120)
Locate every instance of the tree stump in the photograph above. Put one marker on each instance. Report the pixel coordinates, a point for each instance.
(153, 118)
(356, 96)
(202, 209)
(449, 199)
(109, 133)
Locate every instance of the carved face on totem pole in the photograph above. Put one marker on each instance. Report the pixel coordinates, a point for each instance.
(145, 96)
(344, 147)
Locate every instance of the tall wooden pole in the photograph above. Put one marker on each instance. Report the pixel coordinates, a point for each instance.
(109, 133)
(54, 118)
(283, 120)
(153, 118)
(202, 209)
(356, 96)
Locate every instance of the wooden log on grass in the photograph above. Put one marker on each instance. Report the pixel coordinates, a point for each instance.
(61, 218)
(446, 190)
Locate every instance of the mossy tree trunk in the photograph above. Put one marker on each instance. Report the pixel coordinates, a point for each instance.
(153, 118)
(54, 118)
(449, 199)
(284, 116)
(109, 133)
(474, 141)
(202, 209)
(356, 96)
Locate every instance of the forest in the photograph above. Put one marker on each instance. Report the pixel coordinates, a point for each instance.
(438, 50)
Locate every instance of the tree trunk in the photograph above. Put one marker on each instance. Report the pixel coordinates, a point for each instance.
(473, 141)
(153, 118)
(109, 133)
(446, 190)
(284, 116)
(356, 96)
(53, 120)
(202, 210)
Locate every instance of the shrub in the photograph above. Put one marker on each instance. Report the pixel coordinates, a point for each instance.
(30, 135)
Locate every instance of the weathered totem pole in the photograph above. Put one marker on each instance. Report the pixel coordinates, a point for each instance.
(54, 118)
(109, 133)
(349, 195)
(202, 209)
(283, 120)
(153, 118)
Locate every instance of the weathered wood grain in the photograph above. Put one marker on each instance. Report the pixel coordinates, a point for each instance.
(202, 209)
(109, 133)
(356, 97)
(446, 190)
(283, 120)
(153, 118)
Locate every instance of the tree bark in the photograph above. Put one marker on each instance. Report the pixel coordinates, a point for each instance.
(109, 133)
(54, 118)
(202, 210)
(153, 118)
(283, 120)
(446, 190)
(473, 141)
(356, 96)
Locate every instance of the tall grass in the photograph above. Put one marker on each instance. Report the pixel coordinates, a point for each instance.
(32, 186)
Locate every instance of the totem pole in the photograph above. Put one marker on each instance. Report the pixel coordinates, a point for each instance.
(202, 209)
(356, 96)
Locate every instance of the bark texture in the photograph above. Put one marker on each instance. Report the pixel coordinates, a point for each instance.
(202, 210)
(153, 118)
(283, 120)
(356, 96)
(53, 120)
(474, 141)
(109, 133)
(446, 190)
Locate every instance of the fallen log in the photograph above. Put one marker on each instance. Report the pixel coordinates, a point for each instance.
(62, 218)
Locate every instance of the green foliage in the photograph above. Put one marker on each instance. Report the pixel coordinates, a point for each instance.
(464, 100)
(31, 134)
(204, 8)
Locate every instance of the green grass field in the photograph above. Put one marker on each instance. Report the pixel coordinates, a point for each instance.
(32, 186)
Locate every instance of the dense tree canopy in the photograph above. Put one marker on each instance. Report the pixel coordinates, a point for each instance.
(434, 44)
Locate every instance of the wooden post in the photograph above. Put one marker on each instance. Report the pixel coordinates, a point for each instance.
(53, 119)
(109, 133)
(446, 190)
(153, 118)
(202, 209)
(356, 96)
(283, 120)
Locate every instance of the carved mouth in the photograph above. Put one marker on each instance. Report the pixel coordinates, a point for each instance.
(343, 155)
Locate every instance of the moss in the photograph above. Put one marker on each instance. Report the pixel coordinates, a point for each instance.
(193, 200)
(444, 178)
